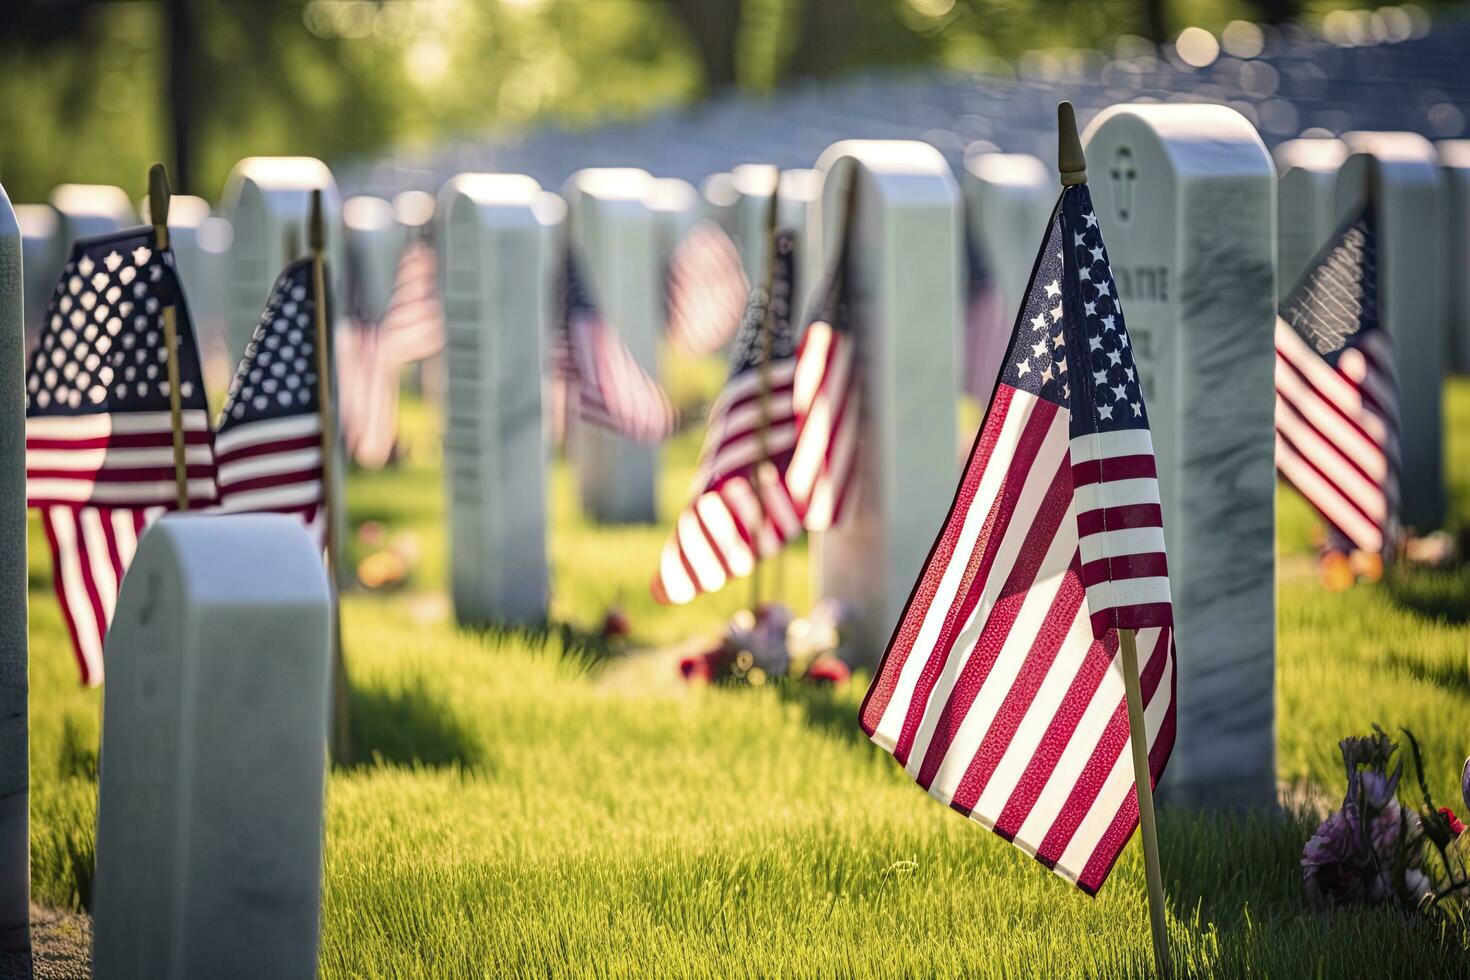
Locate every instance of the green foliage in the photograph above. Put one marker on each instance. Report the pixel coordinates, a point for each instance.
(521, 812)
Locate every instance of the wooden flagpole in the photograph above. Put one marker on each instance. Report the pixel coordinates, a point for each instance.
(158, 199)
(767, 342)
(1072, 166)
(317, 238)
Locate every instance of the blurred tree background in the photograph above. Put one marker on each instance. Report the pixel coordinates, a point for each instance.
(89, 88)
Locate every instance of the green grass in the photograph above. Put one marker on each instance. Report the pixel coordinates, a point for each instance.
(516, 809)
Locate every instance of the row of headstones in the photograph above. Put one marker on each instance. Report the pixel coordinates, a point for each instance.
(1195, 258)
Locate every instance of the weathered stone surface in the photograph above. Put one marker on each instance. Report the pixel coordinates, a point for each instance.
(1186, 197)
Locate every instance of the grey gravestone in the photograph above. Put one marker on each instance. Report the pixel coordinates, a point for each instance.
(86, 210)
(1454, 163)
(1306, 204)
(373, 240)
(718, 194)
(195, 237)
(1186, 198)
(15, 856)
(754, 184)
(499, 269)
(41, 252)
(612, 230)
(1410, 223)
(209, 809)
(1009, 198)
(267, 200)
(797, 194)
(904, 282)
(675, 207)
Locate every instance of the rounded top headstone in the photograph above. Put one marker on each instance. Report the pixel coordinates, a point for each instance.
(755, 179)
(273, 559)
(1453, 153)
(1319, 155)
(1007, 169)
(719, 190)
(36, 220)
(611, 183)
(672, 194)
(1199, 140)
(366, 213)
(1390, 147)
(507, 196)
(93, 200)
(414, 209)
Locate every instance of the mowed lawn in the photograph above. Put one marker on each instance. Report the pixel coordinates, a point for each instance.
(522, 804)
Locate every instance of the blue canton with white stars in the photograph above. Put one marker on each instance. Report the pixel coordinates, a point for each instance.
(277, 377)
(748, 349)
(1071, 345)
(103, 347)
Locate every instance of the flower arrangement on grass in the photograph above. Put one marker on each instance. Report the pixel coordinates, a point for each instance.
(772, 643)
(1378, 850)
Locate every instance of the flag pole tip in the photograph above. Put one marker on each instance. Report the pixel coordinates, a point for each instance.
(1071, 163)
(316, 229)
(158, 195)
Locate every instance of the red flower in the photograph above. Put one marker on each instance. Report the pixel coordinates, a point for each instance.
(701, 666)
(827, 669)
(1456, 827)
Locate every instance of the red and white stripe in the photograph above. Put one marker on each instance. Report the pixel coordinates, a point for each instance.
(122, 459)
(742, 509)
(613, 390)
(91, 548)
(707, 290)
(1336, 429)
(412, 326)
(367, 393)
(273, 466)
(1121, 529)
(994, 693)
(827, 400)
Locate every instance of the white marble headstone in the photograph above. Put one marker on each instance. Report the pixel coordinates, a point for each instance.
(1306, 204)
(193, 236)
(754, 185)
(718, 196)
(1009, 198)
(1454, 163)
(499, 268)
(213, 764)
(905, 299)
(797, 193)
(612, 229)
(15, 856)
(1410, 221)
(87, 210)
(1186, 199)
(675, 207)
(373, 241)
(267, 201)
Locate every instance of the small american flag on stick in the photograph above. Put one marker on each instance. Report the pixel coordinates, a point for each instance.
(1002, 691)
(269, 446)
(741, 510)
(707, 290)
(604, 383)
(1336, 394)
(99, 434)
(827, 395)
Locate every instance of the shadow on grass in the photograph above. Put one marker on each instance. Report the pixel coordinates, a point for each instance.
(1442, 594)
(826, 709)
(1450, 676)
(413, 726)
(583, 650)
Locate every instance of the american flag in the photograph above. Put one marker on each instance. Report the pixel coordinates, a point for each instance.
(371, 355)
(1002, 690)
(269, 446)
(603, 380)
(827, 395)
(741, 510)
(707, 290)
(1336, 394)
(99, 434)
